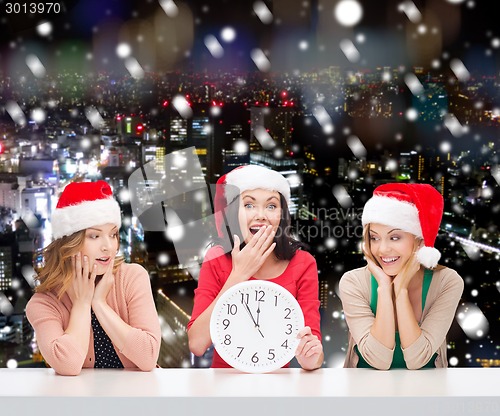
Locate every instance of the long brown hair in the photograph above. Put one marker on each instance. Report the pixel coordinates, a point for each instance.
(55, 273)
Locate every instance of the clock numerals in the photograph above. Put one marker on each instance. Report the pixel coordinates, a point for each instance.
(271, 355)
(232, 309)
(245, 298)
(259, 295)
(253, 326)
(241, 350)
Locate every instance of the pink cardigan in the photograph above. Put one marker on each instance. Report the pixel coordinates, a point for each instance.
(130, 297)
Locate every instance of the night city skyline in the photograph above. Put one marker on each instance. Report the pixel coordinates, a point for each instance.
(108, 90)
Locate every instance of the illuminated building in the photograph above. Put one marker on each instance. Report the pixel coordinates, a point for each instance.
(41, 170)
(5, 267)
(130, 126)
(277, 121)
(237, 153)
(178, 131)
(291, 169)
(9, 193)
(37, 200)
(174, 349)
(232, 159)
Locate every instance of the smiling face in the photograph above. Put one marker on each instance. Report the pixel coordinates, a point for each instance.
(100, 246)
(258, 208)
(391, 247)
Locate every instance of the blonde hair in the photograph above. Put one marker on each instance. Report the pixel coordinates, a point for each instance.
(56, 272)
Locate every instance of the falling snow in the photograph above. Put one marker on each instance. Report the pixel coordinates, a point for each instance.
(41, 85)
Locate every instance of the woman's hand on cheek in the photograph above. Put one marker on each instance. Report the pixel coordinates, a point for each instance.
(82, 286)
(380, 276)
(403, 279)
(104, 285)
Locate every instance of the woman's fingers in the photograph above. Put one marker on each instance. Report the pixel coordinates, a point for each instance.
(371, 265)
(93, 274)
(86, 267)
(309, 344)
(104, 286)
(264, 237)
(378, 272)
(269, 238)
(268, 252)
(259, 242)
(255, 241)
(78, 264)
(83, 285)
(236, 245)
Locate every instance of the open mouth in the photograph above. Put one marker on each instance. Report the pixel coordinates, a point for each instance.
(255, 229)
(103, 260)
(389, 260)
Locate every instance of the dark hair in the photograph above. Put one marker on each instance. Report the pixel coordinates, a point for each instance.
(286, 244)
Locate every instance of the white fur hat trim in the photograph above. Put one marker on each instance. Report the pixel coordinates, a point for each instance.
(255, 177)
(73, 218)
(392, 212)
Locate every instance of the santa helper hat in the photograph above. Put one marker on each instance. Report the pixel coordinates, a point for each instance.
(83, 205)
(246, 178)
(415, 208)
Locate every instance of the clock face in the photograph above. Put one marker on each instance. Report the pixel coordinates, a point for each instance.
(254, 326)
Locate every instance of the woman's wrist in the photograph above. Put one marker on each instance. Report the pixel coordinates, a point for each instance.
(82, 303)
(384, 289)
(98, 304)
(401, 293)
(235, 277)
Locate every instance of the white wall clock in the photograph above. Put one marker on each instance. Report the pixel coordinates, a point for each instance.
(254, 326)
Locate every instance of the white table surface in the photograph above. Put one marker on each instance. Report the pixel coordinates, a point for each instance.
(452, 391)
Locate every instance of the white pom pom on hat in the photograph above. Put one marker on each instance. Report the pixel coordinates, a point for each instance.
(428, 256)
(83, 205)
(412, 207)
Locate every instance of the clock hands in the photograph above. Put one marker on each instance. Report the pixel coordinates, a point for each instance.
(251, 316)
(249, 312)
(258, 314)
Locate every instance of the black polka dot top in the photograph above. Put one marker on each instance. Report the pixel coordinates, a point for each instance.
(105, 354)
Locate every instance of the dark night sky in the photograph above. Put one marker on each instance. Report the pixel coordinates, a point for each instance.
(466, 31)
(82, 15)
(86, 36)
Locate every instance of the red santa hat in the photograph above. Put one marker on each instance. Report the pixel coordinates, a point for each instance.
(245, 178)
(83, 205)
(412, 207)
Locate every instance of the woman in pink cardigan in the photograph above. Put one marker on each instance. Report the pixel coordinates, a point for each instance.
(90, 309)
